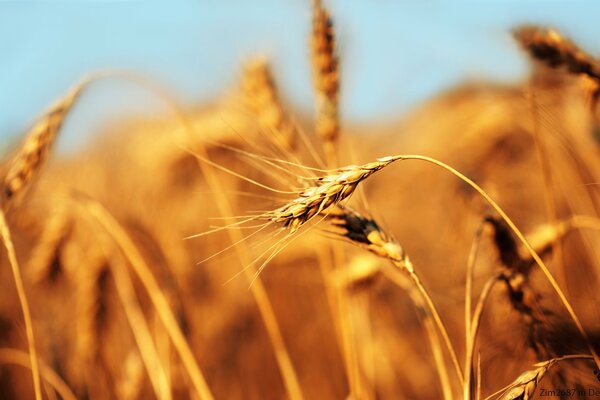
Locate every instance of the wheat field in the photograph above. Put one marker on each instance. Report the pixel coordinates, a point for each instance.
(240, 251)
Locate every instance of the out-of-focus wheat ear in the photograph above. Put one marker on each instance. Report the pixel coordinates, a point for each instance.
(325, 66)
(359, 273)
(91, 309)
(551, 48)
(21, 168)
(44, 264)
(262, 97)
(131, 380)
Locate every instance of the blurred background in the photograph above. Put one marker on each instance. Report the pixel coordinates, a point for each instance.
(395, 54)
(443, 79)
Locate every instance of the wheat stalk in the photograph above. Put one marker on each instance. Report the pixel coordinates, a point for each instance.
(18, 357)
(139, 266)
(14, 264)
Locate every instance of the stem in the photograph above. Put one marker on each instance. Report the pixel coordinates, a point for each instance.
(549, 196)
(485, 293)
(469, 280)
(430, 328)
(18, 357)
(155, 294)
(436, 318)
(14, 265)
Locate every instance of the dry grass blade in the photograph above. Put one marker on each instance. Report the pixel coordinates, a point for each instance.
(18, 357)
(154, 292)
(14, 264)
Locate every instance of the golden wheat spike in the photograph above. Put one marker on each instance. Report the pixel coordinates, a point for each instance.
(325, 73)
(329, 190)
(27, 161)
(262, 97)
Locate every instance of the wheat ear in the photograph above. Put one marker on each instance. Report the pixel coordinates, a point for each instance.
(328, 191)
(325, 67)
(30, 157)
(523, 388)
(551, 48)
(263, 99)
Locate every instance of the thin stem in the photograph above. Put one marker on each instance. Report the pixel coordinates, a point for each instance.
(436, 318)
(485, 293)
(398, 278)
(21, 358)
(469, 280)
(549, 196)
(14, 265)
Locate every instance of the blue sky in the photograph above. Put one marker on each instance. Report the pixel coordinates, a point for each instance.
(395, 54)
